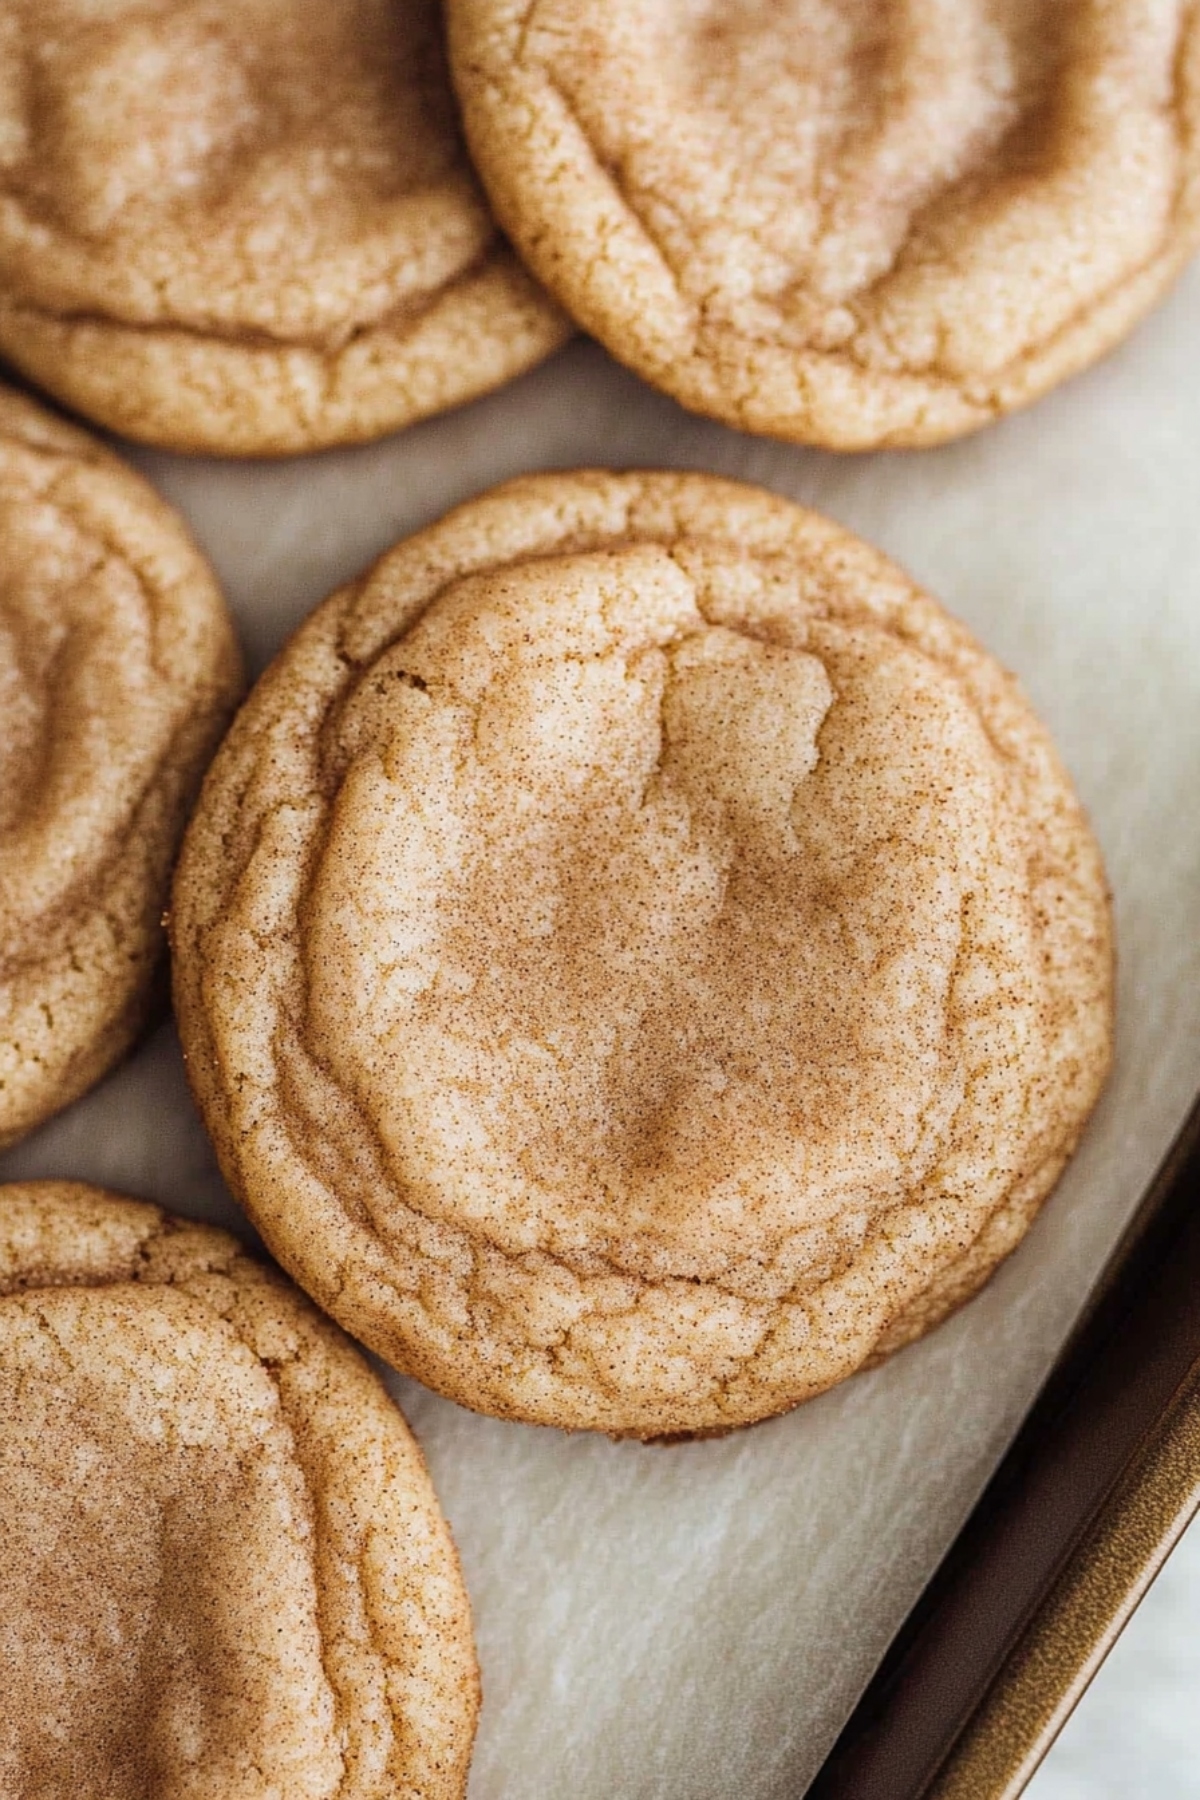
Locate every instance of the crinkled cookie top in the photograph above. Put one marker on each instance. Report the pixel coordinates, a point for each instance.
(276, 167)
(118, 670)
(224, 1573)
(846, 223)
(267, 183)
(632, 951)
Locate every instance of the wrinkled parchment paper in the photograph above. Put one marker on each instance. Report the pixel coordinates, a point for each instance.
(697, 1622)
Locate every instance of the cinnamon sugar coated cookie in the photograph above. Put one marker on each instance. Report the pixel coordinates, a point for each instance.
(118, 672)
(842, 223)
(224, 1570)
(248, 229)
(638, 958)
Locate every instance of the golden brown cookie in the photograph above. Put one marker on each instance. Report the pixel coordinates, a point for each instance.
(118, 672)
(843, 224)
(248, 229)
(224, 1570)
(638, 958)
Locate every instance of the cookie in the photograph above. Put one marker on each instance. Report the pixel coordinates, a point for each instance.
(118, 671)
(638, 958)
(225, 1572)
(843, 225)
(248, 230)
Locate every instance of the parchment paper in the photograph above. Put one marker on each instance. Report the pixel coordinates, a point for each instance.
(697, 1622)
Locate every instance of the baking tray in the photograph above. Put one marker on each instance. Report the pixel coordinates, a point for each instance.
(703, 1620)
(1096, 1490)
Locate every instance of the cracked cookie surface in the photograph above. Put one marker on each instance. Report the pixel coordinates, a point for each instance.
(249, 230)
(118, 672)
(638, 958)
(224, 1570)
(847, 224)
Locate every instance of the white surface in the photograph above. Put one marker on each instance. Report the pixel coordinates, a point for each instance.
(697, 1622)
(1135, 1735)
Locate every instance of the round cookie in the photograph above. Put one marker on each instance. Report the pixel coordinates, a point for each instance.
(843, 224)
(248, 230)
(638, 958)
(225, 1571)
(118, 672)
